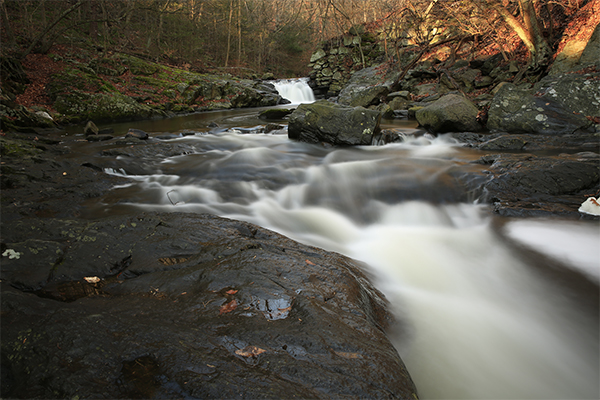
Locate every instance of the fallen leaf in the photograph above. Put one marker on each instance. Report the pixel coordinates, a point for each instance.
(310, 262)
(232, 291)
(92, 279)
(347, 354)
(250, 351)
(229, 307)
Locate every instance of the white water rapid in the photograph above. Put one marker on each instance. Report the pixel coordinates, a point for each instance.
(295, 90)
(480, 319)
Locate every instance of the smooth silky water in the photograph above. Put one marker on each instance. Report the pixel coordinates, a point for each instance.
(479, 317)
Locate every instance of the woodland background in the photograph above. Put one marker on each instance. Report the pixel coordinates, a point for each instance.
(278, 36)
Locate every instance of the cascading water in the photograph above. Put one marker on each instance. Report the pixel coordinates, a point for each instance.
(479, 320)
(295, 90)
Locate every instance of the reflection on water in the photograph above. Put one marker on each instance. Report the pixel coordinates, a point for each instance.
(480, 322)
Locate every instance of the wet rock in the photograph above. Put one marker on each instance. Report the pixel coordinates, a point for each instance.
(136, 133)
(451, 113)
(275, 113)
(528, 185)
(327, 122)
(186, 305)
(506, 142)
(273, 128)
(90, 129)
(99, 138)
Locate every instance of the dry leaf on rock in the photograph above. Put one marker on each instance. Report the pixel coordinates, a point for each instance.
(250, 351)
(229, 307)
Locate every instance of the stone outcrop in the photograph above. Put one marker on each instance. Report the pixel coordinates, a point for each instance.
(187, 305)
(526, 185)
(451, 113)
(368, 86)
(576, 93)
(332, 123)
(558, 104)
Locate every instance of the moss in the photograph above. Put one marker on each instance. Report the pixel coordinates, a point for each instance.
(14, 148)
(137, 66)
(151, 81)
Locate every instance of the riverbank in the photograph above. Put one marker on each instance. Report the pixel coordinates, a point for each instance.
(75, 85)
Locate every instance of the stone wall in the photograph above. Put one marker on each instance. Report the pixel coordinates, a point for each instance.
(336, 59)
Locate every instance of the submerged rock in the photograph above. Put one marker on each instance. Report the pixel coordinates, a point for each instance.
(327, 122)
(184, 305)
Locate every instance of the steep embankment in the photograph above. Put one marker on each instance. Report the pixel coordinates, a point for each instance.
(70, 85)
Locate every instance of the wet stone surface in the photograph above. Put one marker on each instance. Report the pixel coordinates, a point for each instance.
(184, 305)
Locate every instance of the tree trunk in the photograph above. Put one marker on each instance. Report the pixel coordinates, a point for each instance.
(239, 23)
(542, 50)
(229, 33)
(529, 31)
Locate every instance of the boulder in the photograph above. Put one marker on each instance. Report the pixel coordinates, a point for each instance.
(275, 113)
(576, 93)
(527, 185)
(188, 306)
(90, 129)
(323, 121)
(137, 134)
(367, 87)
(450, 113)
(516, 110)
(78, 105)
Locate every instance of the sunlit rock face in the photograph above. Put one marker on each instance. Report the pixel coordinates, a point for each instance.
(580, 51)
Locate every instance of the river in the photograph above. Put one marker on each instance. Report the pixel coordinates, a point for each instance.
(480, 316)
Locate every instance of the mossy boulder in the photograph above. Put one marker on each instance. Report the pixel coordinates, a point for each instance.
(450, 113)
(332, 123)
(558, 107)
(81, 106)
(137, 66)
(275, 113)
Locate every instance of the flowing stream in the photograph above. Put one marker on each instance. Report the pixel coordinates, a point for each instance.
(479, 316)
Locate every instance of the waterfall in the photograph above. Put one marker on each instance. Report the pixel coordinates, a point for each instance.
(295, 90)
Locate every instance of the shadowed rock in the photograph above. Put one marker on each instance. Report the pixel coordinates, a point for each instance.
(327, 122)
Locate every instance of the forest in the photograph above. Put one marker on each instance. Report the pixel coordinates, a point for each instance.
(278, 36)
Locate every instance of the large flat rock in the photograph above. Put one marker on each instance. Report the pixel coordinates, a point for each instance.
(187, 306)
